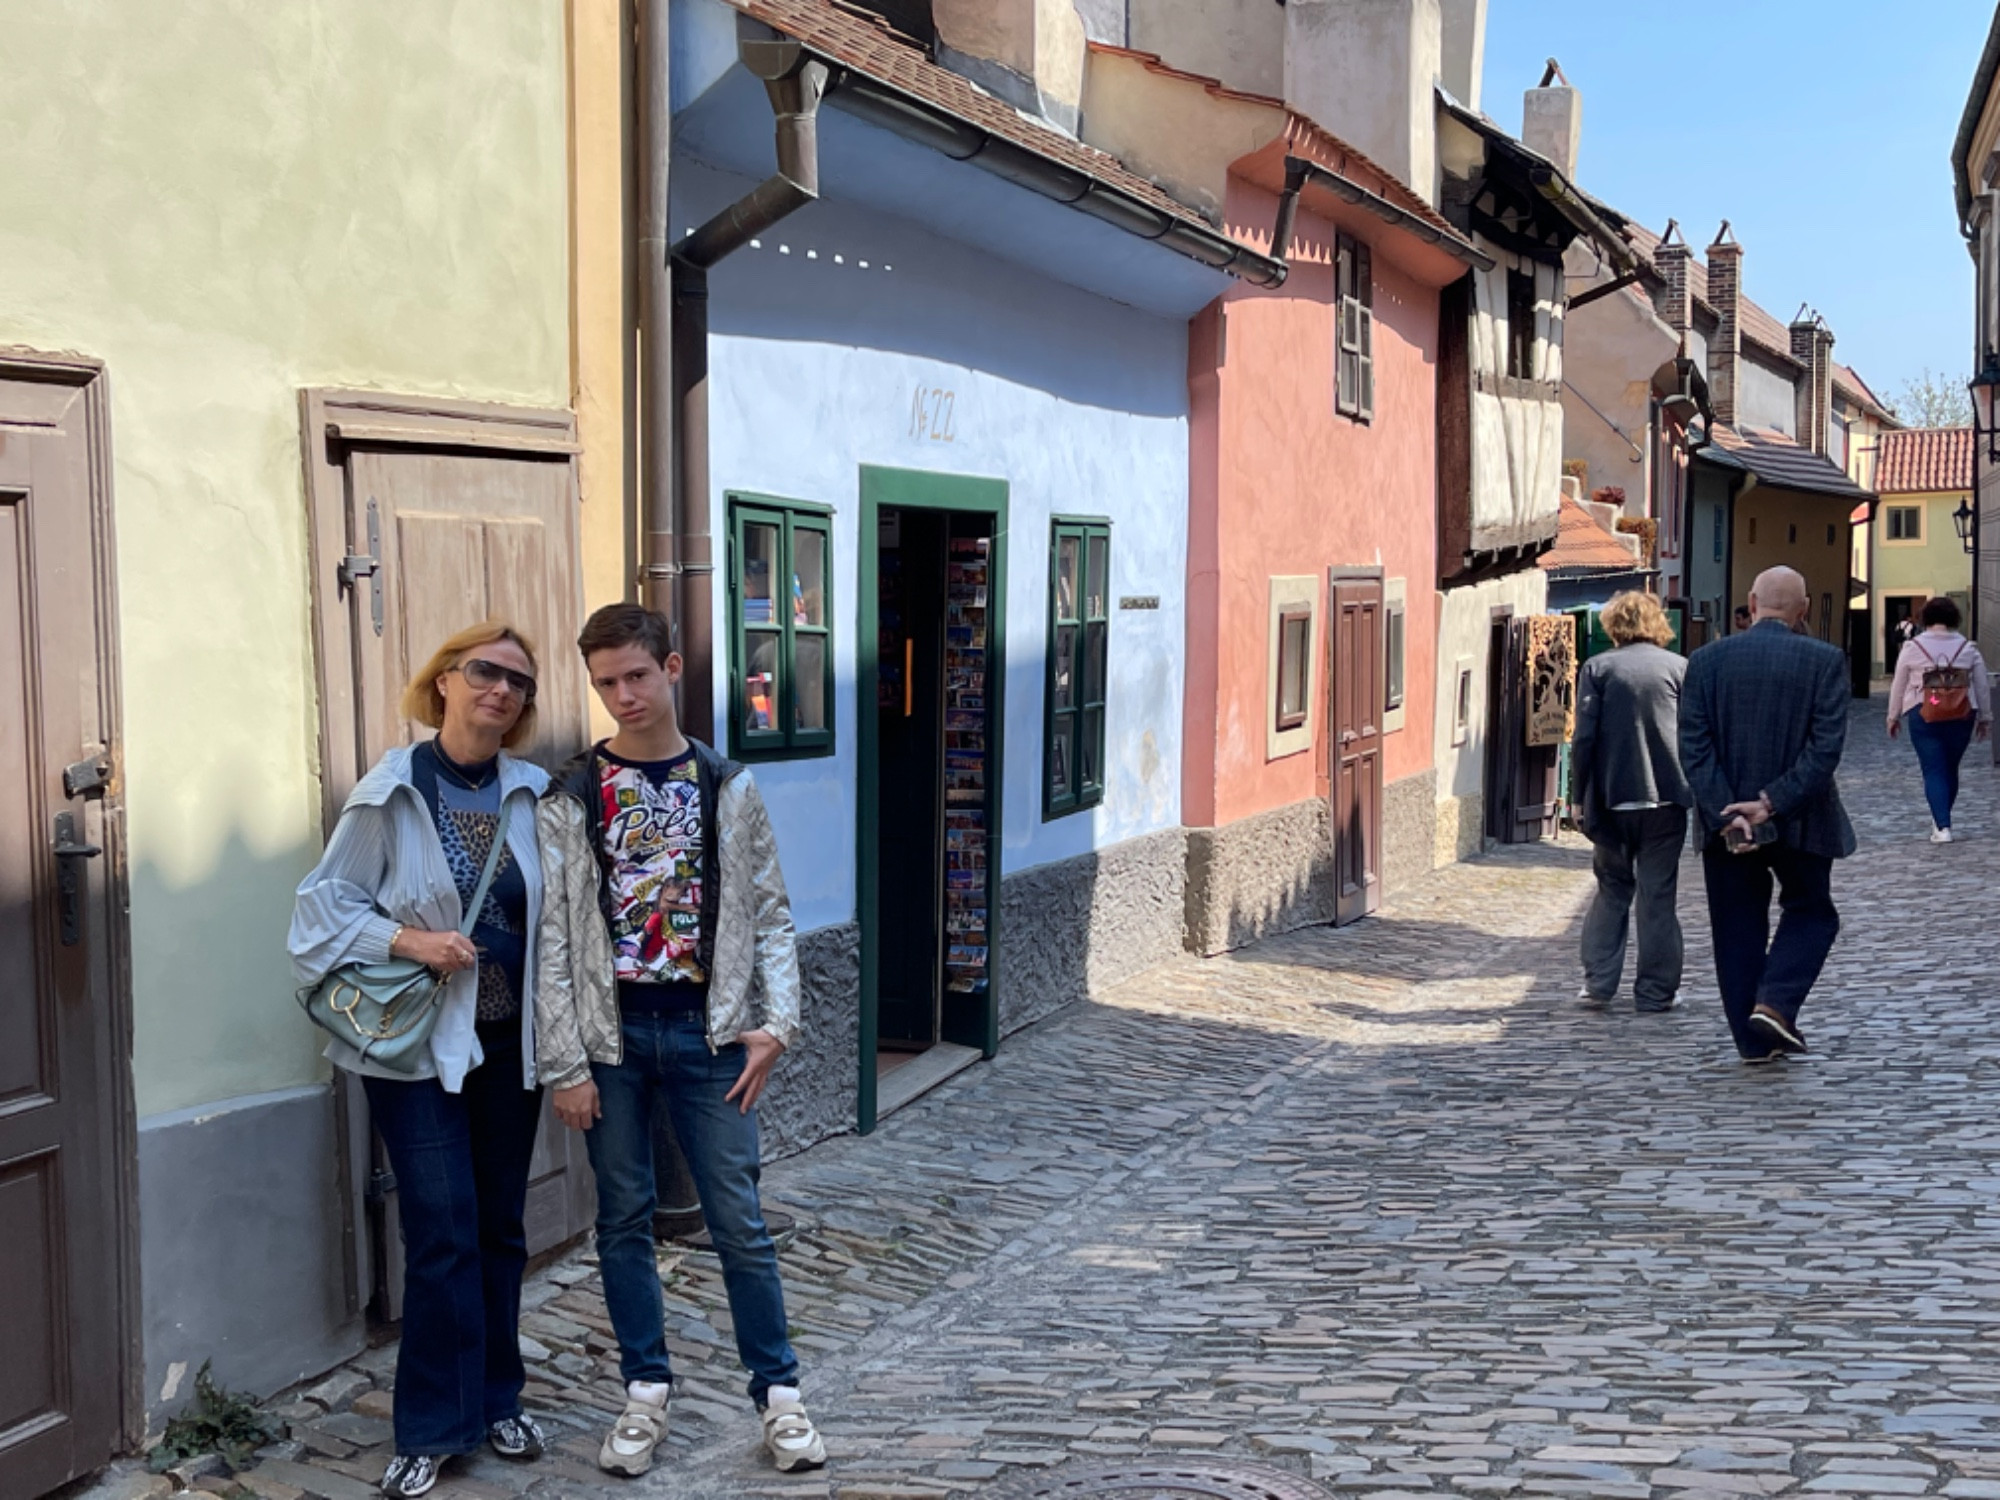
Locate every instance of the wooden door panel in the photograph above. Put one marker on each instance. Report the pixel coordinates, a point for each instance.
(464, 537)
(61, 1216)
(1355, 657)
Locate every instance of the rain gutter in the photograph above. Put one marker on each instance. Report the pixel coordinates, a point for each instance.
(1400, 218)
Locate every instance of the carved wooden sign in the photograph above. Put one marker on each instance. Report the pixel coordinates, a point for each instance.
(1551, 679)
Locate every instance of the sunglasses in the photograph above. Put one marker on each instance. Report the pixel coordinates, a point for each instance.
(481, 675)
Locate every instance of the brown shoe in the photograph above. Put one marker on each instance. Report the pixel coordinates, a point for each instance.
(1775, 1026)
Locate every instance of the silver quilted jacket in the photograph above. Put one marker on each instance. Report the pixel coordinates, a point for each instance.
(752, 958)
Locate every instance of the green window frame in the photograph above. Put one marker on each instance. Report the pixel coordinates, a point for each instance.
(1079, 658)
(781, 687)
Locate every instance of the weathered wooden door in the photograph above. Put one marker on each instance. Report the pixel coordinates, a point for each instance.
(64, 1055)
(428, 517)
(1354, 707)
(1523, 790)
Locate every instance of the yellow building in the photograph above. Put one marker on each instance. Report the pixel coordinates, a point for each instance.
(1924, 476)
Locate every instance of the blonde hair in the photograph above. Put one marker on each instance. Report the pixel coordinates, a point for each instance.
(1635, 616)
(423, 702)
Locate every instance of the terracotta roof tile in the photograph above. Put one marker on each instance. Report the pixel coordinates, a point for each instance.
(1780, 462)
(858, 43)
(1921, 460)
(1585, 546)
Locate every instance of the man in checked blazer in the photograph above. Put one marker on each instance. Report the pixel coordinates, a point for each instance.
(1763, 722)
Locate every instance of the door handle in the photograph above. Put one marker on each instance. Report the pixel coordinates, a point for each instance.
(70, 853)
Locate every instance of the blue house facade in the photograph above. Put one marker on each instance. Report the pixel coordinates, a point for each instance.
(948, 474)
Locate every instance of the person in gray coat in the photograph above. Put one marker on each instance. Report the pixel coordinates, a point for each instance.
(1632, 801)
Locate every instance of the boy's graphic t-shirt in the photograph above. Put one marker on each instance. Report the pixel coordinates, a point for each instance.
(653, 841)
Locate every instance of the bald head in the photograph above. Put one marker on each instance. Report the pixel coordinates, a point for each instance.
(1779, 594)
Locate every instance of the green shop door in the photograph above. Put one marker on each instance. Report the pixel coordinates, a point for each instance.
(930, 710)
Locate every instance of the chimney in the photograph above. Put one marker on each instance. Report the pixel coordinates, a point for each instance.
(1725, 349)
(1812, 347)
(1029, 52)
(1552, 120)
(1463, 48)
(1671, 258)
(1367, 70)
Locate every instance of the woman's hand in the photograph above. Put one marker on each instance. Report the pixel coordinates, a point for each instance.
(1983, 730)
(447, 952)
(1895, 725)
(577, 1106)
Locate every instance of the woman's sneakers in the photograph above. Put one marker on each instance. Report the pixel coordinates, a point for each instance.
(628, 1450)
(1940, 835)
(789, 1433)
(517, 1438)
(410, 1475)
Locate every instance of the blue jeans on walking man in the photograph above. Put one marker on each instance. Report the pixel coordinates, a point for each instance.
(1940, 747)
(668, 1055)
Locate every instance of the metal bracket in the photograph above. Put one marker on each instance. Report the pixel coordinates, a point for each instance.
(381, 1183)
(87, 777)
(359, 565)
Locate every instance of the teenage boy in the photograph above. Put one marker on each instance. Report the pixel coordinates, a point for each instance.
(667, 966)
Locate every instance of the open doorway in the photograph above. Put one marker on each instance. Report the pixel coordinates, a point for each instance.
(932, 638)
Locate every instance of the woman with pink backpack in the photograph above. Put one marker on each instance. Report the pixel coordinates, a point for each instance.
(1941, 694)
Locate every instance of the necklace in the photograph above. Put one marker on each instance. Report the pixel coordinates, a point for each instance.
(472, 778)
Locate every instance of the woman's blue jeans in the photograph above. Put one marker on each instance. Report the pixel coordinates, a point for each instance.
(668, 1055)
(461, 1163)
(1940, 747)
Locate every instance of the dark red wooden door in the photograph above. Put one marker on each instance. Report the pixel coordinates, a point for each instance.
(1354, 706)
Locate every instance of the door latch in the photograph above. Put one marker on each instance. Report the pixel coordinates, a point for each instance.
(359, 565)
(87, 777)
(70, 854)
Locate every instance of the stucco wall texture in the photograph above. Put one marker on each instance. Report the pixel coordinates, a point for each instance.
(1792, 529)
(226, 203)
(1283, 485)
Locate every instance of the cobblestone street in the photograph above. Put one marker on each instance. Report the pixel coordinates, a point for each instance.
(1384, 1206)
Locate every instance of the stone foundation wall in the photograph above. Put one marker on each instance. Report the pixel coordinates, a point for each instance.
(1461, 827)
(1409, 831)
(1081, 924)
(1264, 874)
(812, 1091)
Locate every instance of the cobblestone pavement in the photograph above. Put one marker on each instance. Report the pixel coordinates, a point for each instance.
(1385, 1206)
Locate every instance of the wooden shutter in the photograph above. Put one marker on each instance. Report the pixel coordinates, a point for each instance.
(1347, 330)
(1364, 338)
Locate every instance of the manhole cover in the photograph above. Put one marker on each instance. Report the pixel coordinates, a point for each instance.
(1156, 1479)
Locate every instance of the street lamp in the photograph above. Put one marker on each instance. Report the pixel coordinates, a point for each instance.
(1985, 388)
(1963, 518)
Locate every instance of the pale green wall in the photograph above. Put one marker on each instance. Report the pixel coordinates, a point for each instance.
(1939, 566)
(226, 201)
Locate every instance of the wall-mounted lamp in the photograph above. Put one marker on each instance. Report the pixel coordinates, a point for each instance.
(1985, 388)
(1963, 518)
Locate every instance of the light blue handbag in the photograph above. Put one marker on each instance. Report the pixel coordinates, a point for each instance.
(387, 1011)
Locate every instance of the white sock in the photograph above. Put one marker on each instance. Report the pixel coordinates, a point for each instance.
(782, 1393)
(652, 1392)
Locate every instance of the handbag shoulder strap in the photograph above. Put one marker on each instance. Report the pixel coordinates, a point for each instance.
(492, 868)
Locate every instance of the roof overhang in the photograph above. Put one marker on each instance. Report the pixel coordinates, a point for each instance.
(1968, 123)
(1583, 215)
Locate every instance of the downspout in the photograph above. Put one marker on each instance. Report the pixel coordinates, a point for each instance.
(658, 563)
(1288, 212)
(796, 82)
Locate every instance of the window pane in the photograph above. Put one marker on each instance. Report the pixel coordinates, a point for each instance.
(809, 681)
(1065, 689)
(1395, 693)
(1100, 566)
(1292, 669)
(808, 577)
(1066, 560)
(760, 681)
(1093, 749)
(760, 569)
(1060, 732)
(1093, 662)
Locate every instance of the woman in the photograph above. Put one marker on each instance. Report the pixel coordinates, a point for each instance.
(1633, 802)
(1940, 743)
(403, 860)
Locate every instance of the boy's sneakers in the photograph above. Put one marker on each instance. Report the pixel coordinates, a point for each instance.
(628, 1450)
(410, 1475)
(789, 1432)
(516, 1437)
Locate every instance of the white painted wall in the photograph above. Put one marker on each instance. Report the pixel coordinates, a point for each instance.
(1465, 632)
(1367, 72)
(1079, 403)
(1516, 441)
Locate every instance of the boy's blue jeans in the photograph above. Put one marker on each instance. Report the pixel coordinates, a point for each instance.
(668, 1054)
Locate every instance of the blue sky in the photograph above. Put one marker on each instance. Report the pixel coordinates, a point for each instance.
(1821, 129)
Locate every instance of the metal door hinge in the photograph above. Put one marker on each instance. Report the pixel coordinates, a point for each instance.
(359, 565)
(70, 853)
(381, 1183)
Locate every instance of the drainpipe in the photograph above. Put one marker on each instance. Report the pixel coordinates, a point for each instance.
(658, 563)
(796, 82)
(1288, 212)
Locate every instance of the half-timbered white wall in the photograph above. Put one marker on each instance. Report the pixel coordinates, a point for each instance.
(1516, 439)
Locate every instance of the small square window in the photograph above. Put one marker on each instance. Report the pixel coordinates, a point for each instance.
(1393, 643)
(1461, 713)
(1904, 523)
(1294, 661)
(781, 648)
(1078, 664)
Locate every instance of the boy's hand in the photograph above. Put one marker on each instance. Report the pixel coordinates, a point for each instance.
(761, 1051)
(577, 1106)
